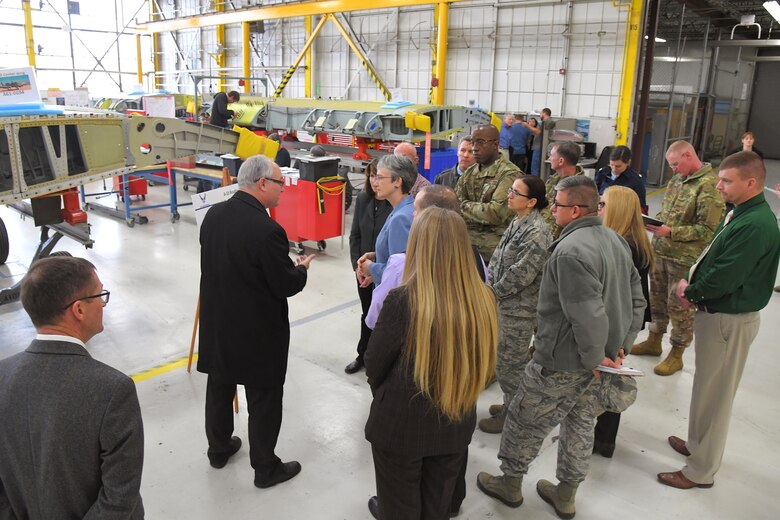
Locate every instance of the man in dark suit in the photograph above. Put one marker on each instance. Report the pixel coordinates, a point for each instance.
(71, 435)
(246, 278)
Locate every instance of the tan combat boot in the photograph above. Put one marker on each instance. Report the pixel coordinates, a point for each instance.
(649, 347)
(673, 362)
(561, 497)
(493, 424)
(508, 490)
(496, 409)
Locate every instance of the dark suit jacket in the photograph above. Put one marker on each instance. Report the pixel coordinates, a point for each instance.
(71, 436)
(370, 215)
(282, 157)
(219, 110)
(448, 177)
(246, 278)
(402, 420)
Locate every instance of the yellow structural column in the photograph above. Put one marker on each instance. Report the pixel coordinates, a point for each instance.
(630, 57)
(442, 28)
(220, 57)
(138, 57)
(28, 32)
(155, 47)
(307, 83)
(247, 52)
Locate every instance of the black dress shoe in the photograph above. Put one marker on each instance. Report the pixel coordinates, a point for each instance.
(373, 506)
(283, 472)
(353, 367)
(605, 449)
(218, 460)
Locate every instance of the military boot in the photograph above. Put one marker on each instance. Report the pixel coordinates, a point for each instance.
(673, 362)
(649, 347)
(561, 497)
(496, 409)
(493, 424)
(508, 490)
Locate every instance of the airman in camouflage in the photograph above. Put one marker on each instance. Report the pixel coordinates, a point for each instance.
(482, 191)
(515, 275)
(588, 311)
(691, 211)
(563, 160)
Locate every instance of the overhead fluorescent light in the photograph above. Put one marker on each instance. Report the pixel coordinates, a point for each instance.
(661, 40)
(774, 9)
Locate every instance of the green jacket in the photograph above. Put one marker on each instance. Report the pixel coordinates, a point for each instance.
(482, 194)
(692, 207)
(550, 184)
(738, 273)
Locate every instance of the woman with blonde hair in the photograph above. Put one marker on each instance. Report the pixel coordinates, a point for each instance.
(431, 354)
(619, 208)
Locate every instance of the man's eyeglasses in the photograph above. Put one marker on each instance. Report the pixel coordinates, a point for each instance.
(516, 193)
(602, 204)
(104, 297)
(557, 205)
(277, 181)
(476, 143)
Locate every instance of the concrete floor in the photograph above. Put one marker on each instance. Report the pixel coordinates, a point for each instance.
(152, 272)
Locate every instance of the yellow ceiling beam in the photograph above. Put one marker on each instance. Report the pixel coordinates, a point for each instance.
(272, 12)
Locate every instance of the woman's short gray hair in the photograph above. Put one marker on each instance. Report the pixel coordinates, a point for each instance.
(254, 169)
(400, 168)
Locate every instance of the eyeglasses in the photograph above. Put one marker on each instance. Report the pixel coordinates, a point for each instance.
(476, 143)
(602, 204)
(277, 181)
(104, 297)
(516, 193)
(378, 178)
(557, 205)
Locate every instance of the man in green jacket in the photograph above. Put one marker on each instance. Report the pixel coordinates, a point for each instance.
(728, 285)
(691, 211)
(482, 191)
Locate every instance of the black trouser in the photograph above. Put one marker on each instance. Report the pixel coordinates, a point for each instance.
(418, 488)
(264, 405)
(607, 427)
(519, 160)
(364, 293)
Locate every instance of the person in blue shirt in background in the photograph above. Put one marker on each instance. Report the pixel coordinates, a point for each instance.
(505, 137)
(520, 137)
(620, 173)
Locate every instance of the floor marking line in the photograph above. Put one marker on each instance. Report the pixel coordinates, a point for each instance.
(181, 362)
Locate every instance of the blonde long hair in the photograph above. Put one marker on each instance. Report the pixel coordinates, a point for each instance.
(624, 215)
(453, 331)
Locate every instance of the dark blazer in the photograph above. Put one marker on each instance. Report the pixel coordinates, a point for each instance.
(71, 436)
(629, 178)
(643, 277)
(401, 420)
(246, 278)
(370, 215)
(282, 157)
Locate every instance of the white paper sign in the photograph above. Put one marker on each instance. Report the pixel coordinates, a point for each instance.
(18, 86)
(201, 202)
(160, 106)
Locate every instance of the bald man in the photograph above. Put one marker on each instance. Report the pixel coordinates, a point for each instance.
(691, 211)
(409, 151)
(482, 191)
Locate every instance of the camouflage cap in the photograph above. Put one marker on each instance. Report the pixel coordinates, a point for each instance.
(616, 393)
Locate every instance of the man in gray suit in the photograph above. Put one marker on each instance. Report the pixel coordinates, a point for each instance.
(71, 436)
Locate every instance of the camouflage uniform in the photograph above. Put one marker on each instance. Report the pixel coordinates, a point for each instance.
(515, 275)
(693, 208)
(482, 195)
(550, 184)
(545, 399)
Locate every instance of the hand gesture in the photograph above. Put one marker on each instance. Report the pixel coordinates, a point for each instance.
(304, 260)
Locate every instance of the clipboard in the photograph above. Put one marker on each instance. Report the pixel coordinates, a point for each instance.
(651, 221)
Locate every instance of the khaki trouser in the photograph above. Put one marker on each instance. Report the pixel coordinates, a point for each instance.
(722, 345)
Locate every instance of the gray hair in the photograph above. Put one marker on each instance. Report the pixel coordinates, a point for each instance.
(400, 168)
(569, 151)
(254, 169)
(582, 191)
(467, 139)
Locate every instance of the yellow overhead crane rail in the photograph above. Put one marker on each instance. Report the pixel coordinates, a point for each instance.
(273, 12)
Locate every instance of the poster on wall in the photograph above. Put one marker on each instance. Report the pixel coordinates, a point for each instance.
(160, 106)
(18, 85)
